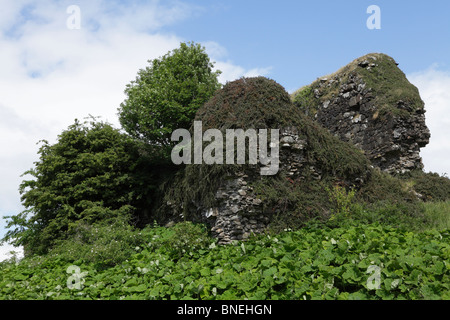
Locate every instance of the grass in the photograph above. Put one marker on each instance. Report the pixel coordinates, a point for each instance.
(438, 214)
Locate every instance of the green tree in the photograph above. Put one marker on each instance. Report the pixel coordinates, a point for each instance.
(92, 173)
(166, 95)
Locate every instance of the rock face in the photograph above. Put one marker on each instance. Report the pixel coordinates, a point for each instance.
(371, 104)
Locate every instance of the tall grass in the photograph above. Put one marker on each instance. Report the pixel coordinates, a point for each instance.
(438, 213)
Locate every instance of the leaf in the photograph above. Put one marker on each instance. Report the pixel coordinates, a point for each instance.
(438, 268)
(351, 273)
(258, 295)
(205, 271)
(357, 296)
(269, 272)
(20, 277)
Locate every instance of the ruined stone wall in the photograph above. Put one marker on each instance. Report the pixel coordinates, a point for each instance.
(391, 136)
(238, 212)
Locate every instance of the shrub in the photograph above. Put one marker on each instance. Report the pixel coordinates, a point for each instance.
(431, 186)
(248, 103)
(181, 239)
(104, 244)
(92, 173)
(438, 213)
(261, 103)
(342, 201)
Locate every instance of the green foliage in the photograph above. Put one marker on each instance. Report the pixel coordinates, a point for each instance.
(92, 173)
(89, 186)
(342, 201)
(103, 244)
(184, 238)
(335, 158)
(353, 262)
(304, 98)
(166, 95)
(293, 202)
(390, 85)
(438, 214)
(383, 186)
(387, 82)
(248, 103)
(261, 103)
(431, 186)
(402, 215)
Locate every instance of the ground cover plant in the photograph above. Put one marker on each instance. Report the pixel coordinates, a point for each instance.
(372, 261)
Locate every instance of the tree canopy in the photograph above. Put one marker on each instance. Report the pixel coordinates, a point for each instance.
(92, 173)
(166, 95)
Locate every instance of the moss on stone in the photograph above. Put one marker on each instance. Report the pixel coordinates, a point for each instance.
(380, 73)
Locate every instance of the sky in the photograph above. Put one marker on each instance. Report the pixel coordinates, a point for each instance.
(61, 60)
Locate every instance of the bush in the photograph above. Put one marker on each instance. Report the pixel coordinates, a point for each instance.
(342, 201)
(438, 213)
(308, 264)
(92, 173)
(293, 203)
(431, 186)
(103, 244)
(248, 103)
(181, 239)
(262, 103)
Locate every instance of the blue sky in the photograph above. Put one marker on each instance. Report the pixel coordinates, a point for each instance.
(51, 74)
(302, 40)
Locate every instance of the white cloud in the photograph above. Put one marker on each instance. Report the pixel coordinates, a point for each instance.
(433, 85)
(5, 252)
(230, 71)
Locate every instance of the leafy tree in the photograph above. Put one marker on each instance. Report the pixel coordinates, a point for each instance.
(166, 95)
(92, 173)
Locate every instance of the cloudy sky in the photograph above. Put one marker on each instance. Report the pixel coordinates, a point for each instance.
(61, 60)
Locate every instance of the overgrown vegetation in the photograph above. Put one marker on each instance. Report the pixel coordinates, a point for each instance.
(97, 198)
(389, 85)
(431, 186)
(261, 103)
(93, 173)
(352, 262)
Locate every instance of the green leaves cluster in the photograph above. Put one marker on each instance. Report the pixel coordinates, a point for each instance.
(166, 95)
(97, 174)
(311, 263)
(93, 173)
(342, 200)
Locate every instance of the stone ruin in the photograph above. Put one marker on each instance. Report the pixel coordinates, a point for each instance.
(391, 136)
(346, 105)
